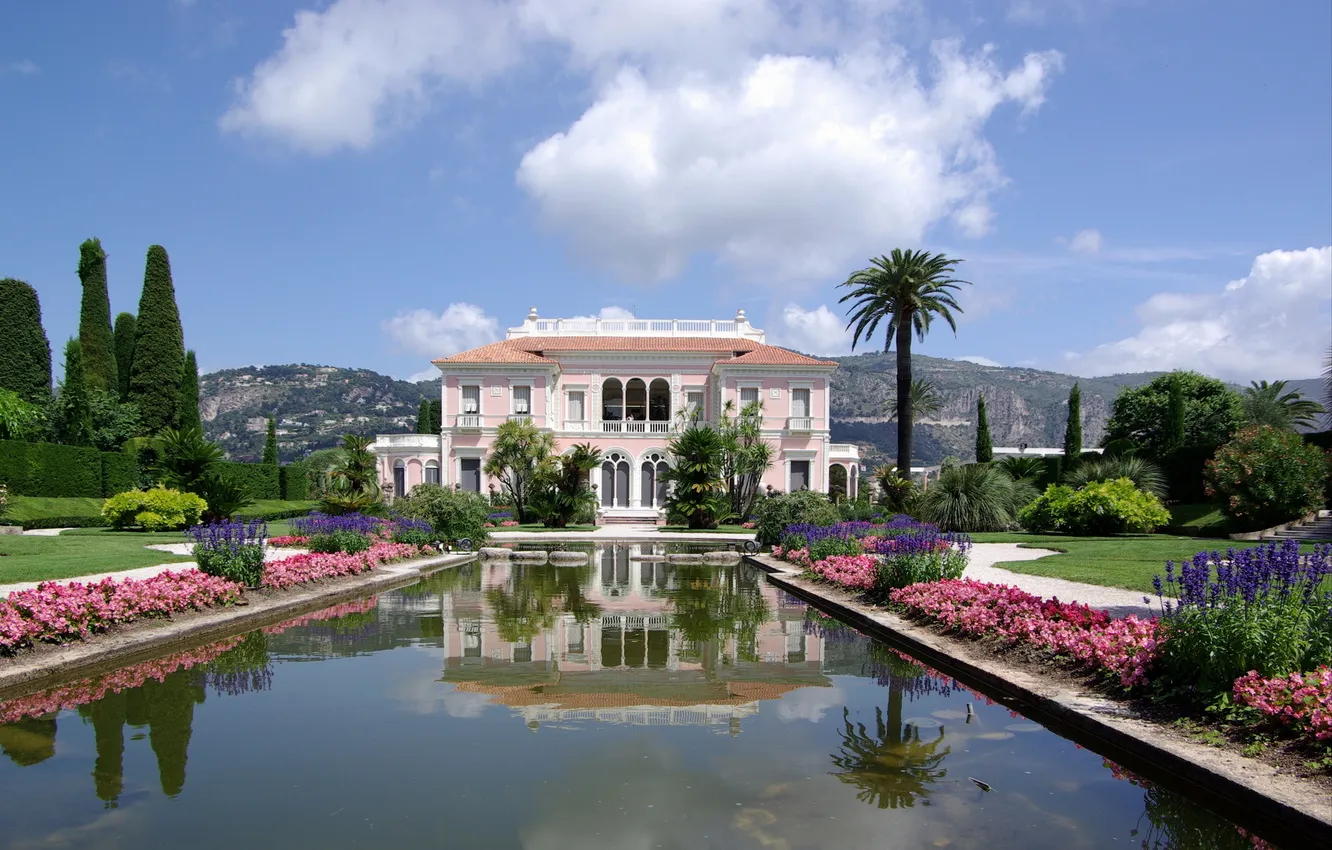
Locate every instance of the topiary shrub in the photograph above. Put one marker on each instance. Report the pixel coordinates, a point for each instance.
(453, 514)
(1099, 508)
(775, 513)
(158, 509)
(1266, 476)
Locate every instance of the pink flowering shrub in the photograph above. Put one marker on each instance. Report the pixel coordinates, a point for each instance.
(56, 612)
(858, 572)
(1123, 649)
(508, 523)
(1301, 700)
(299, 569)
(288, 540)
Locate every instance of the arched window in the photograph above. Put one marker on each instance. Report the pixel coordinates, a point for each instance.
(615, 481)
(399, 479)
(432, 472)
(659, 405)
(653, 480)
(612, 400)
(635, 401)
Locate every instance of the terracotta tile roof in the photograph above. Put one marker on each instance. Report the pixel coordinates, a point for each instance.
(531, 349)
(737, 693)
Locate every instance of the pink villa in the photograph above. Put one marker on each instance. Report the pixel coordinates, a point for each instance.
(621, 384)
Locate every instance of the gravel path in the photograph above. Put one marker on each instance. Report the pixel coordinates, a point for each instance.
(144, 572)
(1117, 601)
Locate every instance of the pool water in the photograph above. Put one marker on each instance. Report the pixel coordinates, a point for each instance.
(618, 704)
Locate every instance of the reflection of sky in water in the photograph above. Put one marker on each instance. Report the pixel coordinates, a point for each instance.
(495, 707)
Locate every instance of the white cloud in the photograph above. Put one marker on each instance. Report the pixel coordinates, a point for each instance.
(610, 313)
(424, 375)
(980, 361)
(1273, 323)
(809, 704)
(25, 67)
(817, 331)
(783, 136)
(1086, 242)
(460, 327)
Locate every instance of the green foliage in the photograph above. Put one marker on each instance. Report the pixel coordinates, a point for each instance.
(975, 497)
(19, 419)
(319, 465)
(184, 457)
(1266, 476)
(124, 337)
(294, 481)
(225, 493)
(1212, 412)
(984, 444)
(1054, 471)
(244, 564)
(120, 472)
(341, 540)
(113, 421)
(159, 347)
(73, 414)
(4, 499)
(454, 514)
(158, 509)
(352, 486)
(698, 496)
(898, 491)
(270, 457)
(1144, 474)
(1100, 508)
(1120, 448)
(926, 400)
(25, 352)
(746, 455)
(259, 480)
(423, 417)
(563, 494)
(1270, 404)
(1073, 426)
(49, 469)
(775, 513)
(907, 290)
(517, 455)
(187, 411)
(95, 335)
(829, 547)
(1022, 468)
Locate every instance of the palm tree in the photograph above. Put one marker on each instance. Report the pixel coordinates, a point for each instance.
(1327, 388)
(353, 486)
(907, 289)
(926, 400)
(699, 492)
(1269, 404)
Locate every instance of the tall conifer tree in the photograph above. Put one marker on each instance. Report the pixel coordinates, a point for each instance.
(96, 339)
(159, 347)
(124, 334)
(984, 445)
(188, 415)
(423, 417)
(25, 352)
(270, 444)
(436, 416)
(75, 412)
(1073, 428)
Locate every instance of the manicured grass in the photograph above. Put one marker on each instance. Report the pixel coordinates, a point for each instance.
(721, 529)
(1202, 519)
(270, 506)
(80, 552)
(1130, 561)
(536, 526)
(23, 508)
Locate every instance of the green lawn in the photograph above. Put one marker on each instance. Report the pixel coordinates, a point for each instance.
(25, 508)
(1130, 561)
(721, 529)
(80, 552)
(536, 526)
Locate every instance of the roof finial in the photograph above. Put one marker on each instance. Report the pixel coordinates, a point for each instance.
(740, 315)
(532, 314)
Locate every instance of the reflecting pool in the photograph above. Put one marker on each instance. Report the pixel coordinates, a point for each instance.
(621, 703)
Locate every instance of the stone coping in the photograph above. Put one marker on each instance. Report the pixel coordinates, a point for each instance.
(148, 638)
(1282, 808)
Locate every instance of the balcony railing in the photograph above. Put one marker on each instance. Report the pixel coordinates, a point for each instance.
(800, 424)
(524, 418)
(632, 427)
(468, 422)
(407, 441)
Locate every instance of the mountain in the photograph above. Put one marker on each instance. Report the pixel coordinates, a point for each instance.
(316, 405)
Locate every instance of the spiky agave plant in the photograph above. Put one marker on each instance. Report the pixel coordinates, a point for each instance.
(1144, 474)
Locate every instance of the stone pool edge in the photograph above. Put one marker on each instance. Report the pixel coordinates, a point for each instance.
(1280, 807)
(146, 638)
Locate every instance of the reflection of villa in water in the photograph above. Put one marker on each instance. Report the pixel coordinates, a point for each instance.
(658, 643)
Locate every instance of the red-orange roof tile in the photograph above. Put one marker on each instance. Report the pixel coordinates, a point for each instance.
(531, 349)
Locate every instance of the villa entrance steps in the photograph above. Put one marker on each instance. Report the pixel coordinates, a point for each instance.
(1319, 530)
(630, 516)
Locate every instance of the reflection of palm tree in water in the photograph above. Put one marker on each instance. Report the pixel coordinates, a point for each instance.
(526, 606)
(891, 765)
(713, 603)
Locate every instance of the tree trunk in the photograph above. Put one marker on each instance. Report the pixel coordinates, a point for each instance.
(904, 414)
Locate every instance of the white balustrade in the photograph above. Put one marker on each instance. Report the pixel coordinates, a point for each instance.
(468, 421)
(800, 424)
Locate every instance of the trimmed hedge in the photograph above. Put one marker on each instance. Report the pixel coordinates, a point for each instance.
(259, 481)
(294, 480)
(274, 516)
(62, 522)
(49, 469)
(120, 472)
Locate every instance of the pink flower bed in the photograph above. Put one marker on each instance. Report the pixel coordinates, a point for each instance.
(56, 612)
(288, 540)
(1123, 648)
(858, 572)
(299, 569)
(1300, 700)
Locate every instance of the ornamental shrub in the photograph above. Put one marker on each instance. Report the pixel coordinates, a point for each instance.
(975, 497)
(231, 550)
(415, 532)
(339, 540)
(453, 514)
(158, 509)
(25, 352)
(805, 507)
(1267, 476)
(1049, 512)
(95, 335)
(1099, 508)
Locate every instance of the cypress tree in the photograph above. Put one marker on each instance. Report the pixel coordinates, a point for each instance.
(984, 445)
(95, 335)
(124, 334)
(436, 416)
(1073, 429)
(1175, 418)
(25, 352)
(75, 414)
(188, 413)
(159, 347)
(423, 417)
(270, 444)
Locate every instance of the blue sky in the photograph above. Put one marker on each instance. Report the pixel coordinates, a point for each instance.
(371, 183)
